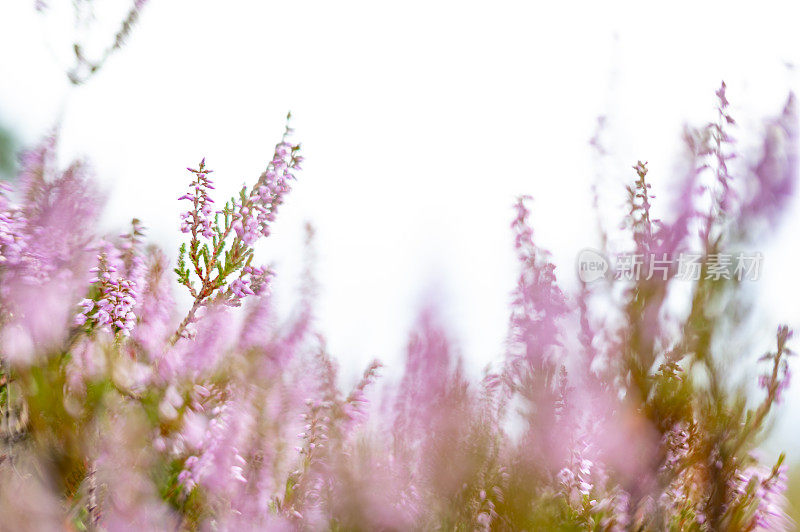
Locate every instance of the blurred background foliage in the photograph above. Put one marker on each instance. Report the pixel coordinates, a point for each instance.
(8, 149)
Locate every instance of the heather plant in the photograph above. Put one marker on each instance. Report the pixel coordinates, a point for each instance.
(123, 410)
(87, 60)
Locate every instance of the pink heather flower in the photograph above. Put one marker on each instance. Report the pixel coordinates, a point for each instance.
(218, 464)
(676, 443)
(197, 220)
(268, 193)
(779, 376)
(43, 248)
(240, 287)
(113, 311)
(196, 357)
(60, 210)
(720, 140)
(87, 305)
(769, 486)
(12, 225)
(537, 302)
(430, 371)
(132, 502)
(195, 427)
(776, 174)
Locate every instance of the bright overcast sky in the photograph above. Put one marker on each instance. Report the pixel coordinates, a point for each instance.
(420, 123)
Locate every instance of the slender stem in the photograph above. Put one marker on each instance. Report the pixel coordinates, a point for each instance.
(186, 321)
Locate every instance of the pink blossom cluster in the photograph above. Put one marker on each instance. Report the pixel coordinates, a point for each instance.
(252, 281)
(114, 309)
(198, 219)
(255, 215)
(11, 222)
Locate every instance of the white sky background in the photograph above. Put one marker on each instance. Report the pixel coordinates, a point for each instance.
(420, 123)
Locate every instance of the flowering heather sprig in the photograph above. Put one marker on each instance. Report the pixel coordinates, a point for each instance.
(759, 490)
(84, 67)
(197, 220)
(131, 244)
(53, 222)
(253, 281)
(356, 402)
(155, 310)
(715, 149)
(775, 174)
(119, 278)
(310, 478)
(113, 309)
(537, 302)
(221, 246)
(12, 223)
(255, 211)
(315, 430)
(577, 477)
(639, 197)
(778, 379)
(218, 462)
(676, 445)
(704, 200)
(722, 140)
